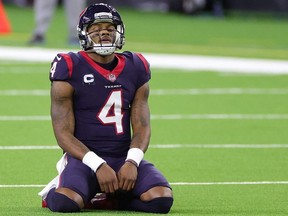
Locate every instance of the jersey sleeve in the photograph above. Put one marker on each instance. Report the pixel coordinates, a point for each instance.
(145, 72)
(61, 68)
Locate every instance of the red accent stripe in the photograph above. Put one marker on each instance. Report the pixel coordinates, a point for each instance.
(116, 71)
(120, 66)
(146, 64)
(80, 16)
(69, 63)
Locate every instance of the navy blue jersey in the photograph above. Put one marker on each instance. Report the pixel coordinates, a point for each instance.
(102, 99)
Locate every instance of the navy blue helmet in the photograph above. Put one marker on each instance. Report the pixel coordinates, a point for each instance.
(99, 13)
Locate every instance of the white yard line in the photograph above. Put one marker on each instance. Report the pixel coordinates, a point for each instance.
(221, 116)
(220, 91)
(176, 184)
(160, 92)
(25, 118)
(165, 61)
(167, 146)
(230, 183)
(29, 147)
(219, 64)
(219, 146)
(172, 117)
(16, 92)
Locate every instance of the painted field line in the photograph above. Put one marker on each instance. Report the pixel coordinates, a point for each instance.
(221, 116)
(22, 186)
(15, 92)
(25, 118)
(176, 184)
(219, 64)
(167, 146)
(192, 91)
(220, 91)
(29, 147)
(164, 61)
(219, 146)
(231, 183)
(172, 117)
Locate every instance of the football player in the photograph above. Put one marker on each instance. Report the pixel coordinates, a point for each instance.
(97, 95)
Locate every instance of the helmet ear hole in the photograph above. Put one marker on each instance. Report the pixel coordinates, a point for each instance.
(120, 41)
(97, 13)
(82, 38)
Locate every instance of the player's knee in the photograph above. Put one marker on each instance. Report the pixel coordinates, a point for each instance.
(58, 202)
(164, 203)
(160, 205)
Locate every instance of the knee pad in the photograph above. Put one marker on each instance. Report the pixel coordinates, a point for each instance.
(58, 202)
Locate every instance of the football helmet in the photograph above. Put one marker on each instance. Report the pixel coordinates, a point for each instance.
(97, 13)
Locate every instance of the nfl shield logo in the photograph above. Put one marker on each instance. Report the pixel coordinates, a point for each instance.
(112, 77)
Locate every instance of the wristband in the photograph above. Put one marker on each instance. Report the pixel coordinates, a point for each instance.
(92, 160)
(136, 155)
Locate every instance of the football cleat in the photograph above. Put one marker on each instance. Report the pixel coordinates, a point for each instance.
(44, 204)
(37, 40)
(103, 202)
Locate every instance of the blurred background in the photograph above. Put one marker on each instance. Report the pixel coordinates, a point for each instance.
(246, 28)
(216, 7)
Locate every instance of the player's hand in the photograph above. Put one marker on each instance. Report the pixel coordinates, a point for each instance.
(127, 176)
(107, 179)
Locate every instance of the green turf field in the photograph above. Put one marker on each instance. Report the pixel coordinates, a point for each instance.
(224, 152)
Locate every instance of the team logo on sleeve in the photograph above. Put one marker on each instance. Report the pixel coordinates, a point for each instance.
(88, 79)
(59, 57)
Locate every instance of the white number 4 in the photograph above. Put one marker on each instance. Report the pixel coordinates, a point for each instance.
(111, 112)
(53, 69)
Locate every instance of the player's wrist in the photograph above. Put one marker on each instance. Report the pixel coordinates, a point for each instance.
(135, 155)
(131, 162)
(92, 160)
